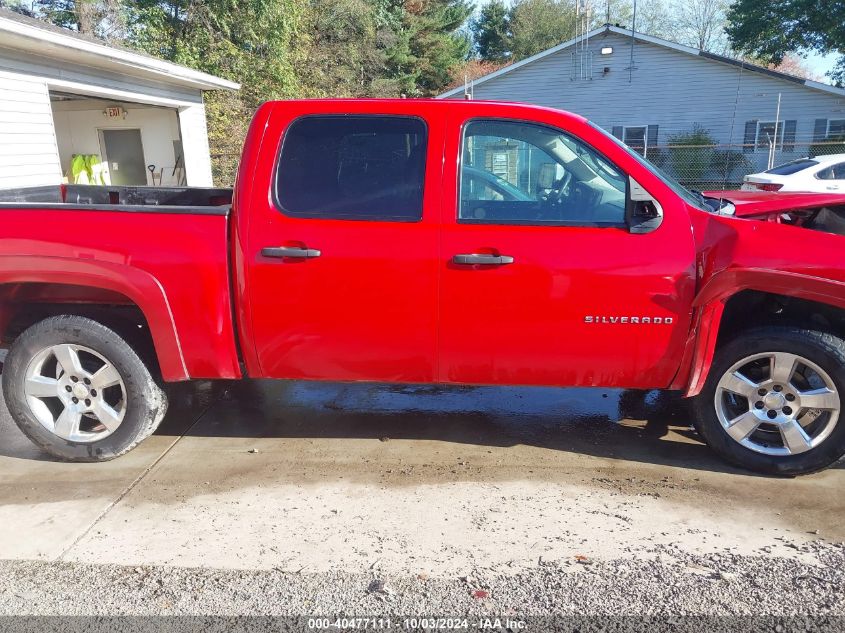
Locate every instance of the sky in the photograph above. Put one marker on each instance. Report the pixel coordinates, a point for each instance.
(819, 64)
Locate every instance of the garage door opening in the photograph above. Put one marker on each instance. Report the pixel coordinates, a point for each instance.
(117, 143)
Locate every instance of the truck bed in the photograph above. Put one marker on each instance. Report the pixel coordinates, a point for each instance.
(163, 250)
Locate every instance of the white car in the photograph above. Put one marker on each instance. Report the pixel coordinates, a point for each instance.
(822, 174)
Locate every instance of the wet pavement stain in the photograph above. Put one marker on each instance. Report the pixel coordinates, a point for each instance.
(594, 421)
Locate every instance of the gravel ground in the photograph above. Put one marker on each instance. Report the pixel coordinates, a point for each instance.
(662, 582)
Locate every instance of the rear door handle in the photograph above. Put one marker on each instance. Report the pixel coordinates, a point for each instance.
(481, 259)
(290, 251)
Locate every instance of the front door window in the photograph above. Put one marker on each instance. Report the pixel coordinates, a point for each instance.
(524, 173)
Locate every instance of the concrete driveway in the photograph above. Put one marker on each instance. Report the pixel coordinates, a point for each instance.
(315, 477)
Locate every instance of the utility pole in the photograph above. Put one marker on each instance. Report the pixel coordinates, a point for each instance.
(774, 144)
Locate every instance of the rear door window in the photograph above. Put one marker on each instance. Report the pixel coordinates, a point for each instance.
(353, 168)
(793, 167)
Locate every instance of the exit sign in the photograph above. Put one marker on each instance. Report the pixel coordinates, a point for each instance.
(114, 112)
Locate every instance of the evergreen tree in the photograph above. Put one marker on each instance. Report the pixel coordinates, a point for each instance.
(491, 32)
(436, 43)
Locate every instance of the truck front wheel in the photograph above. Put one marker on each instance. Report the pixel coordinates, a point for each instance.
(773, 399)
(79, 391)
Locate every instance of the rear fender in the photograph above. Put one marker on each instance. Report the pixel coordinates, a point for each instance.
(139, 286)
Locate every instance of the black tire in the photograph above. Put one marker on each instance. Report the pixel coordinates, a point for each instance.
(146, 403)
(825, 350)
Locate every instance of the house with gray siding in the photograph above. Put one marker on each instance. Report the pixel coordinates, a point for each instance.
(655, 94)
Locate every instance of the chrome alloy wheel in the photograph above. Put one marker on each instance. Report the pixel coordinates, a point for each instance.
(777, 403)
(75, 393)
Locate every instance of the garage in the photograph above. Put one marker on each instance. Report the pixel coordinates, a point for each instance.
(75, 110)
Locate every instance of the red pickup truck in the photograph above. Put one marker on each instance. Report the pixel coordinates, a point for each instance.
(420, 241)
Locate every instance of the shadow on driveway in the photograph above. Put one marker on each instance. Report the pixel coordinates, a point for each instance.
(651, 427)
(639, 426)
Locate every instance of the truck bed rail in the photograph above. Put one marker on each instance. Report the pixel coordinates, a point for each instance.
(117, 197)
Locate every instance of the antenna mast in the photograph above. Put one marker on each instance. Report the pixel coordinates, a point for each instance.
(633, 31)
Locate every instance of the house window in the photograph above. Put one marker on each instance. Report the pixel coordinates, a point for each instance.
(766, 135)
(835, 127)
(636, 137)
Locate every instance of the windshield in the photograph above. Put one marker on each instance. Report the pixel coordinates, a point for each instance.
(692, 197)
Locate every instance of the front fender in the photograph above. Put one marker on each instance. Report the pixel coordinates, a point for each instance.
(709, 306)
(139, 286)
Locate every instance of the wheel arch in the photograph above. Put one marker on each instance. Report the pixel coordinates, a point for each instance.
(32, 287)
(736, 300)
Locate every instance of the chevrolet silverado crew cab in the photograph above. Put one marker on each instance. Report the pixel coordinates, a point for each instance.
(420, 241)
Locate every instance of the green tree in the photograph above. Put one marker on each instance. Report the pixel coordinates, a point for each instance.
(770, 30)
(491, 32)
(383, 48)
(249, 41)
(540, 24)
(343, 54)
(436, 43)
(257, 43)
(105, 19)
(691, 153)
(399, 75)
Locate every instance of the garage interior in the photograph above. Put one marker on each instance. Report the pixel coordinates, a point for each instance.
(117, 142)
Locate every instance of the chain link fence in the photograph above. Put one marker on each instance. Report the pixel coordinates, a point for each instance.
(723, 166)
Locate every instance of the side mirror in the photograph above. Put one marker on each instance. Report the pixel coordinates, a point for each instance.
(642, 212)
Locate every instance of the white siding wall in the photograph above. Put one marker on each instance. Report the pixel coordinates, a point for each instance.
(28, 152)
(195, 146)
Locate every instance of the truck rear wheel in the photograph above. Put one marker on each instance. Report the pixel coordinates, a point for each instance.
(79, 391)
(772, 401)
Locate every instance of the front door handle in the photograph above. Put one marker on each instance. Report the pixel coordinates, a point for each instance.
(290, 251)
(482, 259)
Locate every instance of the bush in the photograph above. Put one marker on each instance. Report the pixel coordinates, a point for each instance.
(690, 154)
(729, 161)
